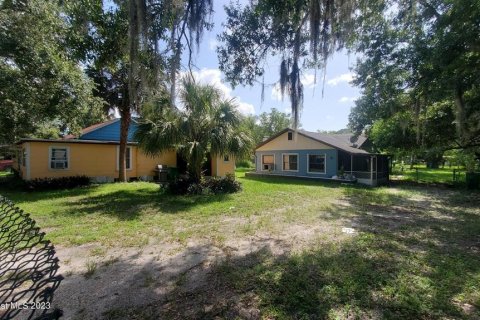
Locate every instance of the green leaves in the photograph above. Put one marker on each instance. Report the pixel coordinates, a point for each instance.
(303, 33)
(206, 123)
(41, 84)
(420, 59)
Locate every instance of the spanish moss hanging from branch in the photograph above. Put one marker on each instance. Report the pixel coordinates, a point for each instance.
(304, 33)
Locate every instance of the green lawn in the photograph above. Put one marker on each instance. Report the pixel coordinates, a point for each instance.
(5, 173)
(414, 253)
(426, 175)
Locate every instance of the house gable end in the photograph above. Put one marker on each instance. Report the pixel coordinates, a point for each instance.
(299, 142)
(109, 132)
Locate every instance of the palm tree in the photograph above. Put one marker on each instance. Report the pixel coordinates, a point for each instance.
(206, 123)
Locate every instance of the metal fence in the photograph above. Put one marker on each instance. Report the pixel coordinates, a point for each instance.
(28, 267)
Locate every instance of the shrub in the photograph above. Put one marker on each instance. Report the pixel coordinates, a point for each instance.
(57, 183)
(245, 164)
(223, 185)
(184, 185)
(12, 182)
(180, 185)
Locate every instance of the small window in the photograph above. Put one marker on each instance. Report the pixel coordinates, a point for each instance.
(290, 162)
(290, 135)
(226, 158)
(267, 162)
(316, 163)
(58, 158)
(128, 158)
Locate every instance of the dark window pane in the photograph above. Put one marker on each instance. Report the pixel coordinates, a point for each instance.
(316, 163)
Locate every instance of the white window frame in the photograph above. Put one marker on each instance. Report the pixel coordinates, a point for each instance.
(288, 135)
(298, 161)
(261, 161)
(50, 149)
(324, 165)
(118, 158)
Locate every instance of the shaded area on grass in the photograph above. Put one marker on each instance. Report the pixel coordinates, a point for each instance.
(415, 254)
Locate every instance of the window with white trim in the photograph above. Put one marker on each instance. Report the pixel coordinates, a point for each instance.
(268, 161)
(290, 135)
(58, 158)
(316, 163)
(290, 162)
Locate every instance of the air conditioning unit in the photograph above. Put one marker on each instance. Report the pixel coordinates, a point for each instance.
(268, 167)
(59, 165)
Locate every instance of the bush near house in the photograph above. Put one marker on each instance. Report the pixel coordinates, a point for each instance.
(214, 185)
(57, 183)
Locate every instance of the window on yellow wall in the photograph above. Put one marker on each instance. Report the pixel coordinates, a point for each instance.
(58, 158)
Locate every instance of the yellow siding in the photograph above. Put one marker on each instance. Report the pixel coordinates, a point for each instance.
(299, 142)
(146, 164)
(220, 167)
(93, 160)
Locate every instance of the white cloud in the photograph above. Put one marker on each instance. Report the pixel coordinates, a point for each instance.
(276, 94)
(346, 77)
(213, 44)
(245, 108)
(347, 99)
(308, 80)
(214, 77)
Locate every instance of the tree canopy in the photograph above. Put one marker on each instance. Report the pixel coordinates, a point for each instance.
(301, 33)
(266, 124)
(43, 90)
(418, 71)
(206, 124)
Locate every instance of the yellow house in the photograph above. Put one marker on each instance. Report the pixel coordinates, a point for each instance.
(95, 154)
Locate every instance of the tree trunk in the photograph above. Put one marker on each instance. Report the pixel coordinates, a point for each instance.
(126, 116)
(460, 114)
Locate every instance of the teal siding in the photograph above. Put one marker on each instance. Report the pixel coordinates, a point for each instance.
(331, 156)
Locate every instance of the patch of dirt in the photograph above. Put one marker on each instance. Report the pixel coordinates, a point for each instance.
(128, 278)
(178, 281)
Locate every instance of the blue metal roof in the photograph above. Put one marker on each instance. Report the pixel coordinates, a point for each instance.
(109, 132)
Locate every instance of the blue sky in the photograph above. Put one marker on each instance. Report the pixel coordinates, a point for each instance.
(329, 112)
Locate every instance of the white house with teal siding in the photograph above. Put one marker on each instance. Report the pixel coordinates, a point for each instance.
(305, 154)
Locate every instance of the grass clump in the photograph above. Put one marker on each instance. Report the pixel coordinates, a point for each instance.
(91, 268)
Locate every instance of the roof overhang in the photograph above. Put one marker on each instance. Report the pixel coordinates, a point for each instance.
(71, 141)
(361, 152)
